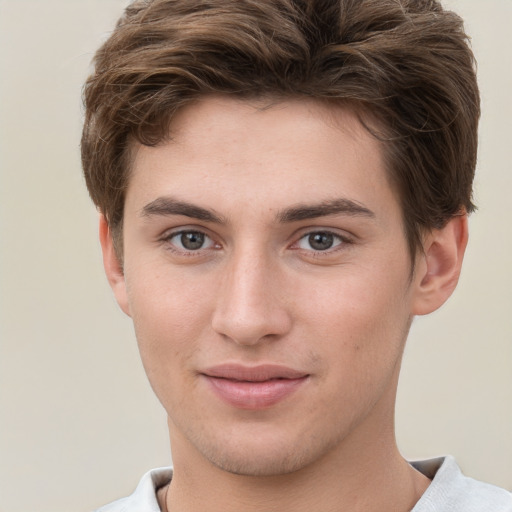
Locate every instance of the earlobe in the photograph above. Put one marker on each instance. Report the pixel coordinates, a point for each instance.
(112, 265)
(440, 264)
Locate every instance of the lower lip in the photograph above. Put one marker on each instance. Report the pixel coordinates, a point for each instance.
(254, 395)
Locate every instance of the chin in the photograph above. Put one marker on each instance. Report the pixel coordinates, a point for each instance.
(259, 463)
(254, 454)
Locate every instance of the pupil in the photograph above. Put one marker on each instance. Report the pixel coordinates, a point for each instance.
(192, 240)
(321, 241)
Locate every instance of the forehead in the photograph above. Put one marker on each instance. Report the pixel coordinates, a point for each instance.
(262, 155)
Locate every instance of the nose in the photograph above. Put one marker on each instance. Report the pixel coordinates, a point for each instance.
(251, 306)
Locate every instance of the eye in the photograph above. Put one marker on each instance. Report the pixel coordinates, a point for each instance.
(319, 241)
(190, 240)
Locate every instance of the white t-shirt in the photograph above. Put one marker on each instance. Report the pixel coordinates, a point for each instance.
(450, 491)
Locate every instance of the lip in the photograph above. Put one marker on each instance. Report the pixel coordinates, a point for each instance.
(253, 387)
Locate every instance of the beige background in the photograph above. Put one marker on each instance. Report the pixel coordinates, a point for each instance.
(78, 422)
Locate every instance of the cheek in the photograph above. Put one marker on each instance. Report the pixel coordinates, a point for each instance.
(169, 314)
(360, 320)
(359, 332)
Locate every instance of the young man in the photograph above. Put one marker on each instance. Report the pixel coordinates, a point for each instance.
(283, 185)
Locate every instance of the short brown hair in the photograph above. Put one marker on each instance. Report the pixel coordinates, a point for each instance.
(405, 63)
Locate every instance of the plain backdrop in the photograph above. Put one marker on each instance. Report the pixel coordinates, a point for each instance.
(78, 421)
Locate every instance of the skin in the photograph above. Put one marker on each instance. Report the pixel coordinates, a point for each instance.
(258, 291)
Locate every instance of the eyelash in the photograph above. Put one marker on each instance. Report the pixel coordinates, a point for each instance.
(336, 239)
(342, 240)
(167, 239)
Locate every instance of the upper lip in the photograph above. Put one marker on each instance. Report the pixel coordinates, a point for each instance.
(259, 373)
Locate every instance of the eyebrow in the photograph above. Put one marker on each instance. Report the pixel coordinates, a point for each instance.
(170, 206)
(325, 208)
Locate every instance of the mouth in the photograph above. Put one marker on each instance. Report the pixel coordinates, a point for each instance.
(257, 387)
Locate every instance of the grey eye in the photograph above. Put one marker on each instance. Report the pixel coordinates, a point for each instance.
(319, 241)
(192, 240)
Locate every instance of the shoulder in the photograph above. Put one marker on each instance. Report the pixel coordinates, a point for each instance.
(143, 498)
(451, 491)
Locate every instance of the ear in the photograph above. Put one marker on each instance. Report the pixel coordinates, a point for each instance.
(438, 267)
(112, 265)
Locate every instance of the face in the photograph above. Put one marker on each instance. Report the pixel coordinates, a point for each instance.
(268, 277)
